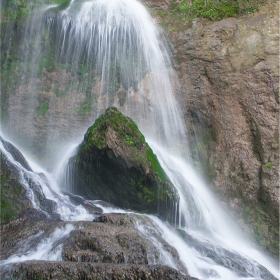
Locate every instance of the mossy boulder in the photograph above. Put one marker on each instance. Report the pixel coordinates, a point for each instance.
(114, 163)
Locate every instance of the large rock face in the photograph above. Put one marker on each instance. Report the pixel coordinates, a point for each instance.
(229, 73)
(115, 164)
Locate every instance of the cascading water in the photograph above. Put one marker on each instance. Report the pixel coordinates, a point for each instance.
(110, 52)
(206, 224)
(206, 252)
(101, 53)
(42, 187)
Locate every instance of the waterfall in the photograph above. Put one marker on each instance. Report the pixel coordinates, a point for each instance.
(90, 55)
(100, 53)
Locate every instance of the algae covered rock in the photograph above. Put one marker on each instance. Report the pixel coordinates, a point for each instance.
(16, 184)
(115, 164)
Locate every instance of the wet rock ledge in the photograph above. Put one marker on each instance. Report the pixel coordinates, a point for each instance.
(110, 247)
(54, 270)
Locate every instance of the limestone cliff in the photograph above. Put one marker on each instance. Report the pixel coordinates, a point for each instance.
(229, 73)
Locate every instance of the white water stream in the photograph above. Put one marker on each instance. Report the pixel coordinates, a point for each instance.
(117, 40)
(229, 248)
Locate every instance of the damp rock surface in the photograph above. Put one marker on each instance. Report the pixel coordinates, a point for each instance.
(229, 73)
(14, 176)
(114, 163)
(55, 270)
(110, 247)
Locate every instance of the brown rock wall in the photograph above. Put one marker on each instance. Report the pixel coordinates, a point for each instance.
(229, 75)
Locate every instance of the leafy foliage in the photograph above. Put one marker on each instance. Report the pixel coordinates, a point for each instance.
(215, 9)
(13, 10)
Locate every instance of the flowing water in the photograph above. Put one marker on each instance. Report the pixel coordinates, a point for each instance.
(99, 53)
(206, 251)
(80, 59)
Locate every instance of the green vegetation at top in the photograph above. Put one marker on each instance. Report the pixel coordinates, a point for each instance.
(124, 126)
(13, 10)
(214, 9)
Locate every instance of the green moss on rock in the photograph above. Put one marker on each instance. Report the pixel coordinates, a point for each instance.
(266, 228)
(12, 200)
(114, 163)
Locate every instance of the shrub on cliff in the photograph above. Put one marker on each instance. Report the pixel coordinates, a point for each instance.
(215, 9)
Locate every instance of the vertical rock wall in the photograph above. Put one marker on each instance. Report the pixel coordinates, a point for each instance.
(229, 74)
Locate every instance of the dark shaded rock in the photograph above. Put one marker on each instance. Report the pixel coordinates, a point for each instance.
(111, 218)
(122, 97)
(16, 179)
(13, 194)
(33, 214)
(15, 153)
(115, 164)
(55, 270)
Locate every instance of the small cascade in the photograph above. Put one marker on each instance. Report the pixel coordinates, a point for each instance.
(47, 248)
(40, 188)
(205, 223)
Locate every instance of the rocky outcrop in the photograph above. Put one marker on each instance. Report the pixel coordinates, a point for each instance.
(54, 270)
(113, 238)
(229, 74)
(110, 247)
(15, 196)
(115, 164)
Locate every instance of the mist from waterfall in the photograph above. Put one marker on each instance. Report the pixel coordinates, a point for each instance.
(81, 59)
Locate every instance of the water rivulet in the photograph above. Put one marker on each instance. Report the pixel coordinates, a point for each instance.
(77, 60)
